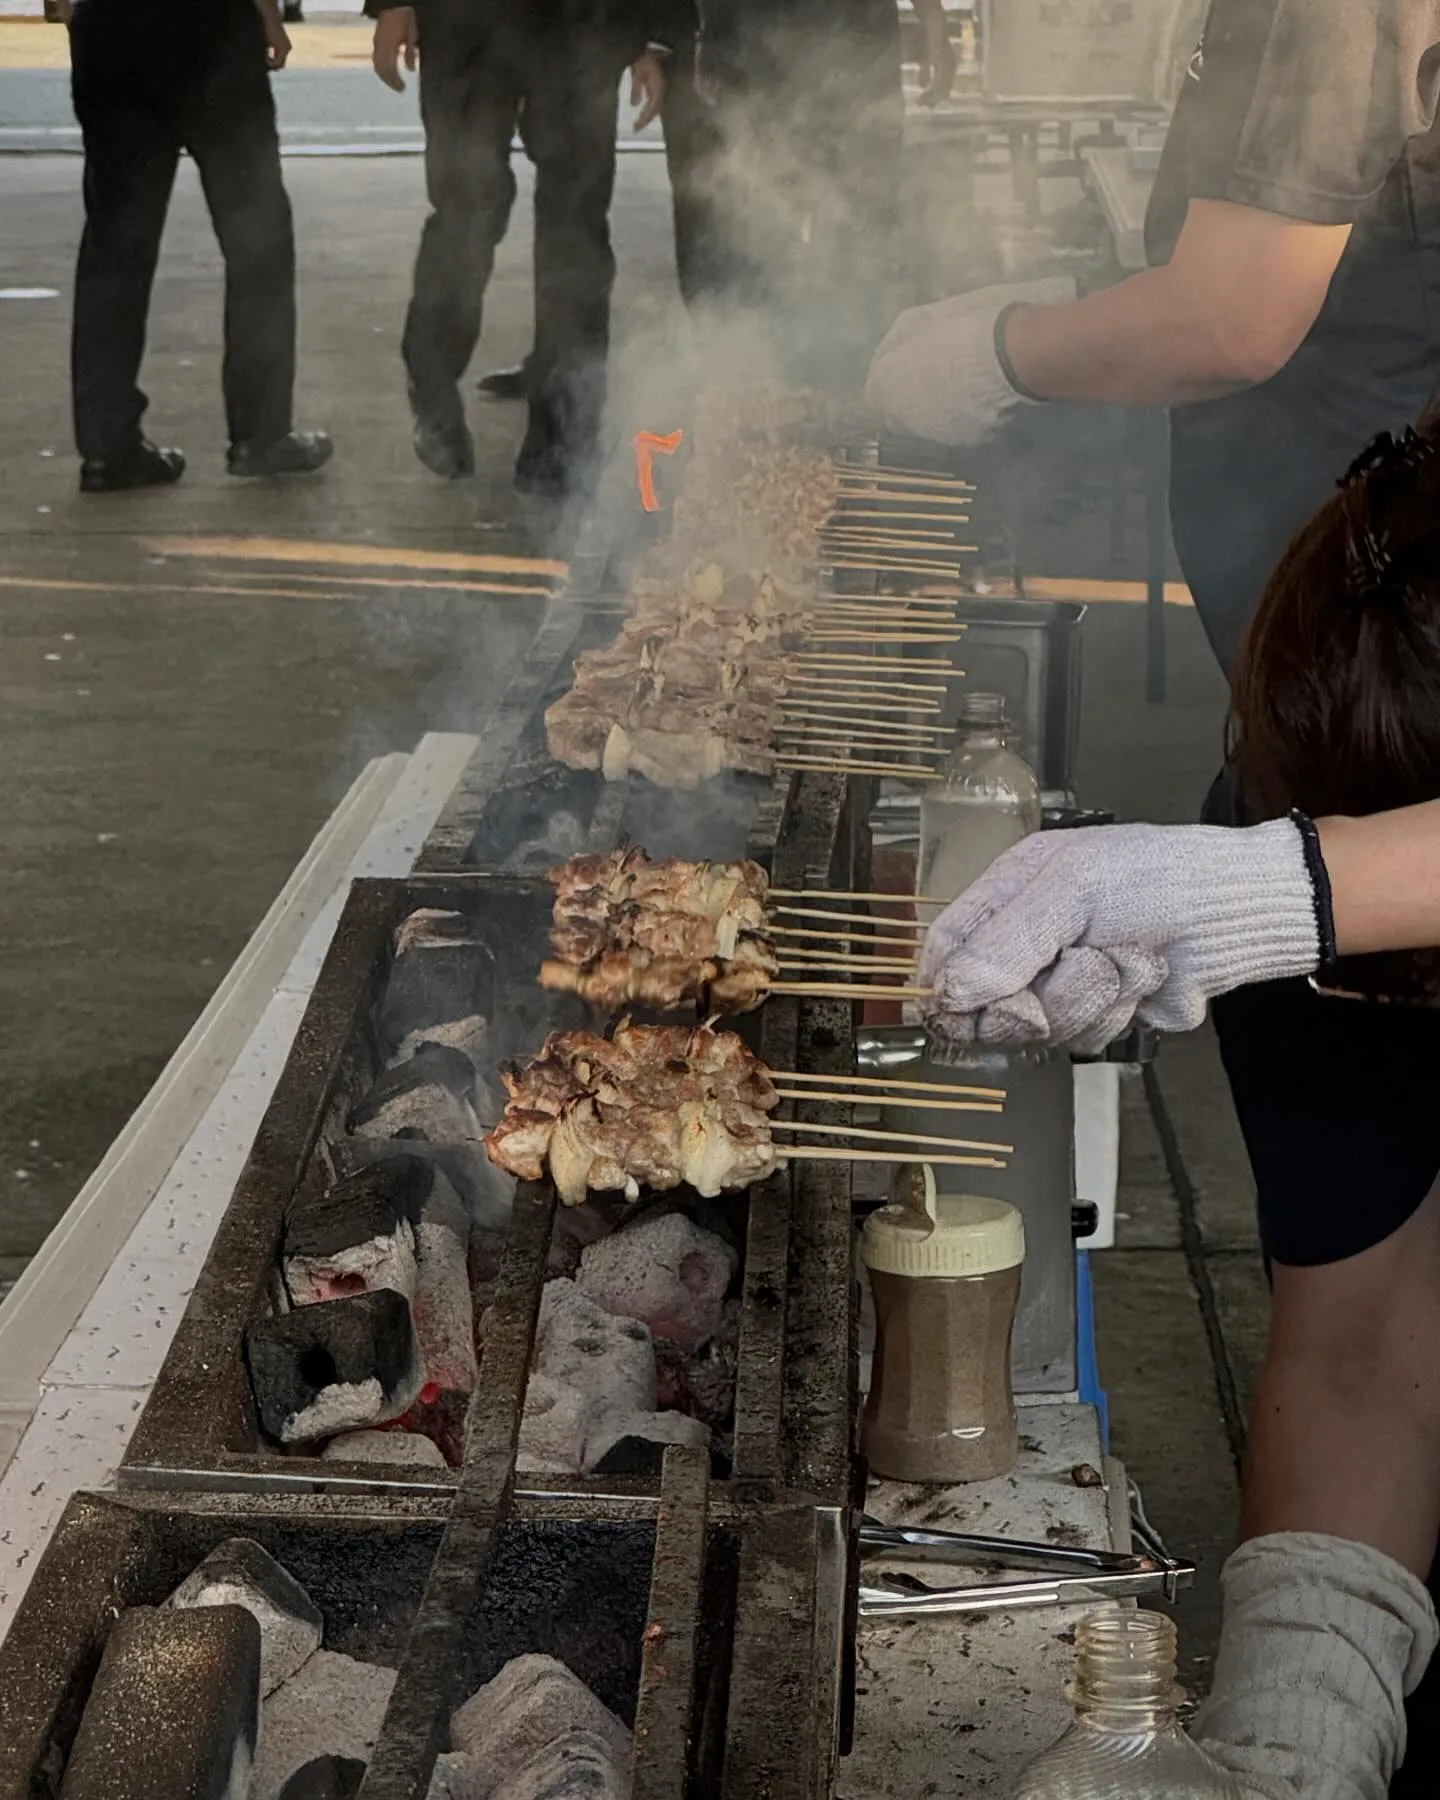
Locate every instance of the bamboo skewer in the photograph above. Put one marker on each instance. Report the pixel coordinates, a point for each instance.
(922, 632)
(909, 600)
(882, 685)
(852, 476)
(776, 893)
(941, 510)
(870, 1135)
(862, 692)
(805, 741)
(846, 918)
(844, 703)
(824, 765)
(845, 659)
(840, 1097)
(821, 965)
(886, 1081)
(886, 565)
(811, 1153)
(835, 937)
(849, 990)
(896, 728)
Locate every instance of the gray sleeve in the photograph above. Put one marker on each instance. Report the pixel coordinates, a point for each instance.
(1320, 97)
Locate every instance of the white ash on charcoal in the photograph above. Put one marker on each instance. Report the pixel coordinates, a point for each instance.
(665, 1271)
(357, 1236)
(394, 1449)
(457, 1777)
(241, 1572)
(442, 971)
(339, 1365)
(326, 1778)
(592, 1383)
(333, 1707)
(518, 1718)
(434, 1094)
(636, 1446)
(443, 1308)
(467, 1035)
(577, 1766)
(174, 1708)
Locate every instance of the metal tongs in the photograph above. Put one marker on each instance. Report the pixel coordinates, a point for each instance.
(1071, 1577)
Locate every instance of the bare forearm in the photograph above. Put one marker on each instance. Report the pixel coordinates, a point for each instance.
(1385, 879)
(269, 11)
(1229, 309)
(1135, 344)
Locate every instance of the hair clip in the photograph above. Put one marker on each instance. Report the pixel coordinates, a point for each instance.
(1389, 453)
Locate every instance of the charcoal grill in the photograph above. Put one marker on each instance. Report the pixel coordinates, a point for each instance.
(646, 1600)
(795, 1398)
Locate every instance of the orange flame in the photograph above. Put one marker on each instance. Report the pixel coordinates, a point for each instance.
(647, 445)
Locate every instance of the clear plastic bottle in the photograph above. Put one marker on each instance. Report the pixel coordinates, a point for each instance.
(987, 800)
(1126, 1742)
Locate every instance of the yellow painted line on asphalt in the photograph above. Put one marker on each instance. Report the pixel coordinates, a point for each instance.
(209, 590)
(353, 556)
(35, 44)
(1129, 593)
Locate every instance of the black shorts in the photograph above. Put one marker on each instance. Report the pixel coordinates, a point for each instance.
(1339, 1102)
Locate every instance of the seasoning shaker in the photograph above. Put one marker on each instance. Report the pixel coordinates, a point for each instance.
(946, 1284)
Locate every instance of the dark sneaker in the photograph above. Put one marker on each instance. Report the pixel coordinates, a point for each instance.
(442, 438)
(297, 453)
(507, 384)
(145, 465)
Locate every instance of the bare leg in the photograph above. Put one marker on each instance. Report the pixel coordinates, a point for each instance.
(1346, 1428)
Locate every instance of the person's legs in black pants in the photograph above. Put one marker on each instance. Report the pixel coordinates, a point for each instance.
(469, 101)
(568, 125)
(229, 129)
(131, 153)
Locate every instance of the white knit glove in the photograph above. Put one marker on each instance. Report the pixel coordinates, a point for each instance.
(1071, 935)
(937, 374)
(1320, 1644)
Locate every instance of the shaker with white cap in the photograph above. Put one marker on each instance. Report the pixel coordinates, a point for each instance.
(946, 1283)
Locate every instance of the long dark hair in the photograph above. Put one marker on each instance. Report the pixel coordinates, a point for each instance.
(1336, 705)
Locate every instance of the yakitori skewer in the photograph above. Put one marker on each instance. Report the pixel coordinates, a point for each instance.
(837, 660)
(873, 684)
(847, 918)
(896, 728)
(838, 1096)
(850, 990)
(779, 893)
(841, 1153)
(868, 1134)
(941, 509)
(895, 1081)
(853, 476)
(827, 766)
(870, 602)
(812, 934)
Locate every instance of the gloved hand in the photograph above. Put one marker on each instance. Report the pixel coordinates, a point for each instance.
(1071, 935)
(937, 374)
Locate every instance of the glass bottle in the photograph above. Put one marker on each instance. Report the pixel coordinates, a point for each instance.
(987, 800)
(1126, 1742)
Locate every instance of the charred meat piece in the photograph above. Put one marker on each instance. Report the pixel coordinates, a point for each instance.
(652, 1107)
(628, 931)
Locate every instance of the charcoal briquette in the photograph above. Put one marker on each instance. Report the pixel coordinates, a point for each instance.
(434, 1093)
(334, 1706)
(442, 971)
(174, 1708)
(533, 1703)
(666, 1272)
(241, 1572)
(405, 1449)
(326, 1778)
(336, 1366)
(577, 1766)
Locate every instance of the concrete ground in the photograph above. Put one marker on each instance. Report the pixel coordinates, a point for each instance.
(179, 714)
